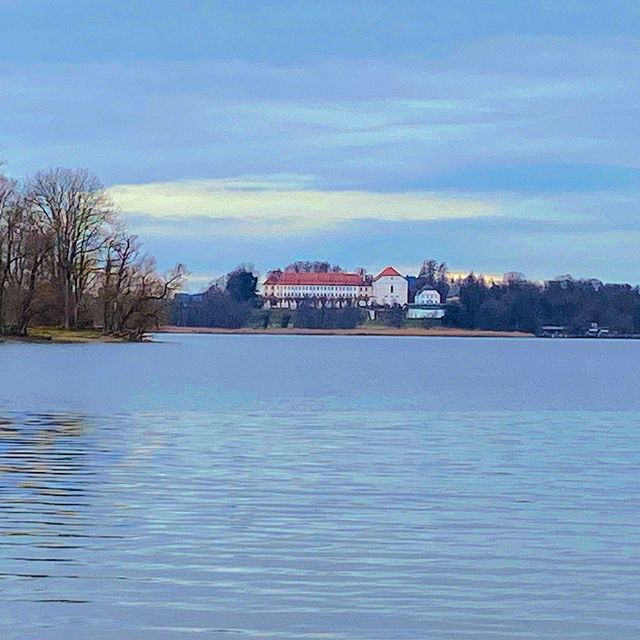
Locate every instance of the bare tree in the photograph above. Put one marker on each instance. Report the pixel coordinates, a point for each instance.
(141, 306)
(64, 257)
(32, 288)
(75, 208)
(10, 223)
(121, 253)
(25, 246)
(132, 291)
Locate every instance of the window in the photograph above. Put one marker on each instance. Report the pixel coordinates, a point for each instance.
(391, 288)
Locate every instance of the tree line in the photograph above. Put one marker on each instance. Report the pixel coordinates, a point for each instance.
(435, 275)
(67, 260)
(233, 302)
(470, 303)
(229, 303)
(527, 306)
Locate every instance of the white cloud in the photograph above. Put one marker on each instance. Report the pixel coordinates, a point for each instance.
(282, 205)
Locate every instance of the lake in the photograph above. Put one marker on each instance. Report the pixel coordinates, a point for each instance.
(326, 488)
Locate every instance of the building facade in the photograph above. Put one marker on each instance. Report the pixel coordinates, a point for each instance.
(428, 296)
(285, 289)
(390, 288)
(428, 304)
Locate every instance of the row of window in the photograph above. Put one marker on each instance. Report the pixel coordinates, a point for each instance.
(326, 288)
(343, 294)
(313, 289)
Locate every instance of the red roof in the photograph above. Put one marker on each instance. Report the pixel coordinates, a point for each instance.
(389, 271)
(291, 277)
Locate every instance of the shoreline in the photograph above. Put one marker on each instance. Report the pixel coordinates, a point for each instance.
(53, 335)
(49, 335)
(436, 332)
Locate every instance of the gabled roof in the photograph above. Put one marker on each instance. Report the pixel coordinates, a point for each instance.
(389, 271)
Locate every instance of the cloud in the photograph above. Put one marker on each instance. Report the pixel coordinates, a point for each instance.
(284, 205)
(589, 234)
(541, 249)
(356, 123)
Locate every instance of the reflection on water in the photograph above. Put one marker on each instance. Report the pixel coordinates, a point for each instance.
(42, 478)
(45, 509)
(344, 524)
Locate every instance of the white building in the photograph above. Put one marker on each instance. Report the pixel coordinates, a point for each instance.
(390, 288)
(514, 277)
(428, 296)
(428, 304)
(334, 289)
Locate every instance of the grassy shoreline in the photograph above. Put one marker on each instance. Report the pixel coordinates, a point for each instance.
(55, 335)
(359, 331)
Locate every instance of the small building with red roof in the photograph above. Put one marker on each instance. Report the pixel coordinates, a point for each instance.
(390, 288)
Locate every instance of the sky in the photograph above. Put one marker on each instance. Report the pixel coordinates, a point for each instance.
(494, 135)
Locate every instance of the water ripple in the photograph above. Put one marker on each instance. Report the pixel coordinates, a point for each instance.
(366, 525)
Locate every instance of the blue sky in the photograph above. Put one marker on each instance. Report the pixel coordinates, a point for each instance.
(494, 135)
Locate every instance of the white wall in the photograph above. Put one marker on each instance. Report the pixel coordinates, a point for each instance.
(430, 296)
(390, 290)
(425, 313)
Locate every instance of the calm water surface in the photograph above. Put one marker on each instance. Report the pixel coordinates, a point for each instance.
(320, 488)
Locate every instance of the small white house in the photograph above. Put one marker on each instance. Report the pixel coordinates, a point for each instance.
(390, 288)
(427, 305)
(428, 296)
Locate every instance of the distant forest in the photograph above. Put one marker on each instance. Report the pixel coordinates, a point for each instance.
(526, 306)
(471, 303)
